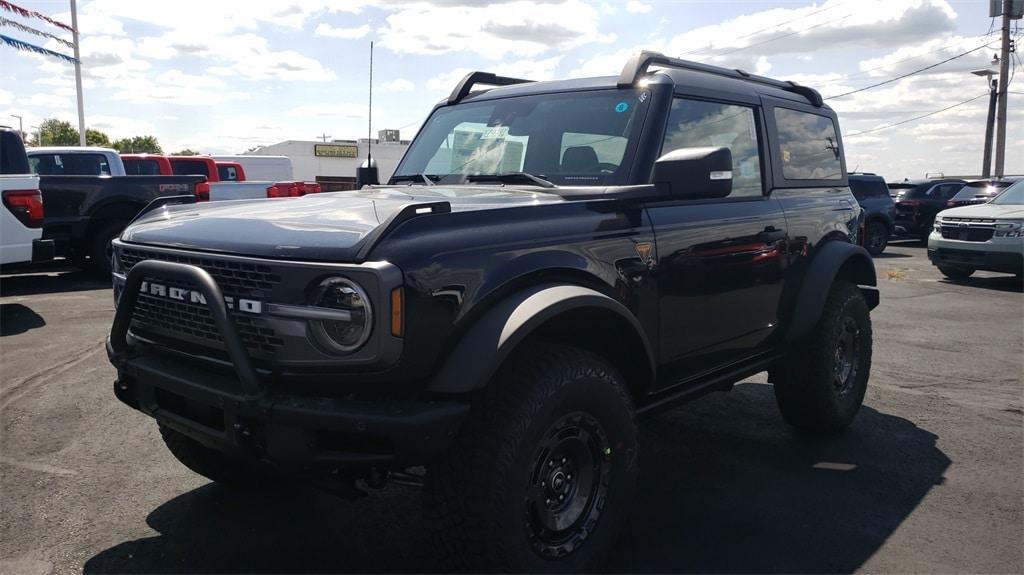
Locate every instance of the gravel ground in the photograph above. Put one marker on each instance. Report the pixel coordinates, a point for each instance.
(928, 479)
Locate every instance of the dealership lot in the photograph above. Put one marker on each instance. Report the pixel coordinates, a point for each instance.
(928, 478)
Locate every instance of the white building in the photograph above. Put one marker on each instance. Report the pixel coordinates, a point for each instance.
(338, 158)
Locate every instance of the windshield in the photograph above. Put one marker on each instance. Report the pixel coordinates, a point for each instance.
(1014, 195)
(576, 138)
(980, 190)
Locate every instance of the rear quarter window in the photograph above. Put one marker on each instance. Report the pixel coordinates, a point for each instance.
(190, 168)
(808, 146)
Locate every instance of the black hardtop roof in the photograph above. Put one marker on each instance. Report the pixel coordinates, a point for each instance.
(928, 181)
(680, 72)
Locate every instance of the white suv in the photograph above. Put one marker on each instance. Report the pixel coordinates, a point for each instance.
(986, 236)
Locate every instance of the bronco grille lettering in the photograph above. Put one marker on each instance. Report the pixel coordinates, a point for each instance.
(196, 297)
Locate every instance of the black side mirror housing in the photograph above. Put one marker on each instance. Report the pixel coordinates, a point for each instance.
(694, 173)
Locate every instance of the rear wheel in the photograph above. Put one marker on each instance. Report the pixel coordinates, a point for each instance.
(956, 273)
(216, 465)
(542, 474)
(876, 237)
(821, 386)
(101, 248)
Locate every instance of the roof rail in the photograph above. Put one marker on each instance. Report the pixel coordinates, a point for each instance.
(474, 78)
(637, 66)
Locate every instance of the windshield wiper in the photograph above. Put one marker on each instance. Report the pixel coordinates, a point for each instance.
(510, 177)
(428, 179)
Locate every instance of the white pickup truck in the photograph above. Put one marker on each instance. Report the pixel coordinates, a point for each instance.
(21, 217)
(94, 161)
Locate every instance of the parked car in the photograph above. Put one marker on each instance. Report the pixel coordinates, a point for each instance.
(979, 192)
(21, 218)
(987, 236)
(919, 201)
(229, 180)
(879, 210)
(501, 327)
(146, 165)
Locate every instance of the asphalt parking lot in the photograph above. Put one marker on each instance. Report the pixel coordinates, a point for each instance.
(928, 479)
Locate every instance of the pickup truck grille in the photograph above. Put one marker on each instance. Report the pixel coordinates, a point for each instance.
(967, 229)
(169, 321)
(241, 279)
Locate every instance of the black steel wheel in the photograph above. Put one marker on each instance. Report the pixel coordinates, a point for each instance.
(568, 478)
(541, 475)
(821, 385)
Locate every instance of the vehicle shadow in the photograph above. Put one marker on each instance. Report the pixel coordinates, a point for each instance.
(725, 486)
(891, 254)
(16, 318)
(51, 277)
(1006, 283)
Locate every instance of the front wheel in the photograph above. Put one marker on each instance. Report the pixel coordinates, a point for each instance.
(542, 474)
(821, 385)
(956, 273)
(102, 249)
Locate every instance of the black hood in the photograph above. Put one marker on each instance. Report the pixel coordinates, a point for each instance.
(328, 226)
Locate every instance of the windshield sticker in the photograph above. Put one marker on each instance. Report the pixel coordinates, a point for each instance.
(621, 107)
(495, 133)
(643, 96)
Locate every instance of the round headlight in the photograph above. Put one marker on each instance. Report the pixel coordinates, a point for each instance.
(355, 320)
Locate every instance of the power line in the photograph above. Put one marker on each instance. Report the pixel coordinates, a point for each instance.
(784, 36)
(770, 28)
(915, 118)
(891, 80)
(862, 72)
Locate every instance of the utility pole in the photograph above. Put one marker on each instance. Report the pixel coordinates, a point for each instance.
(78, 75)
(21, 128)
(1004, 75)
(993, 95)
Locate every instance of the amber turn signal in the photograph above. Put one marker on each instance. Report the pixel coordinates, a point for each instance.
(396, 312)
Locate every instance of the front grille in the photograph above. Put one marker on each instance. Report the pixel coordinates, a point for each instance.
(234, 278)
(169, 321)
(966, 234)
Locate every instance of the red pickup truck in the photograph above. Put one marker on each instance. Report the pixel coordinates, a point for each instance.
(217, 173)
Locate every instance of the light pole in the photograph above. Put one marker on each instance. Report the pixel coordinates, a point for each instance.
(993, 93)
(21, 128)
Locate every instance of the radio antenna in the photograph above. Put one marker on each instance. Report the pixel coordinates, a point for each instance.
(369, 120)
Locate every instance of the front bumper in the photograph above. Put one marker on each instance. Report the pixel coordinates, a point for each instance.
(289, 431)
(1005, 262)
(242, 413)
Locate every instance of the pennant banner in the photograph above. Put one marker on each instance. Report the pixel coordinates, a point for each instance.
(28, 30)
(26, 47)
(33, 14)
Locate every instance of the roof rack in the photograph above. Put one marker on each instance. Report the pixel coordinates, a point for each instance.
(474, 78)
(637, 66)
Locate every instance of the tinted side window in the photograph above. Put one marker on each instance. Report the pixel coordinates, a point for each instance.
(860, 189)
(227, 173)
(12, 154)
(808, 146)
(189, 168)
(695, 124)
(141, 168)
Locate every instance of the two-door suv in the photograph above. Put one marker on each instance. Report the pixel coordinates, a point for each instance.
(549, 261)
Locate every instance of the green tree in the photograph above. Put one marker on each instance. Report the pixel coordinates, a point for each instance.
(186, 152)
(54, 132)
(138, 145)
(95, 138)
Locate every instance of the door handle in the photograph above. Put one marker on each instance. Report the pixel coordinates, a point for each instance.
(771, 235)
(845, 205)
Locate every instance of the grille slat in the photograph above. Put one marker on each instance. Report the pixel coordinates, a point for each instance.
(183, 320)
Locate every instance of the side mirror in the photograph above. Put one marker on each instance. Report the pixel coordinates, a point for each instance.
(694, 173)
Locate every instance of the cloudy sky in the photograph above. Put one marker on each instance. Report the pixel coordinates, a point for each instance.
(222, 76)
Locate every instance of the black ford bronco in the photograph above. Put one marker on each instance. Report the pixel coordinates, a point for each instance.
(549, 261)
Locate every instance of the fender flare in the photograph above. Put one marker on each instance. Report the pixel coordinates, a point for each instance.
(485, 346)
(826, 265)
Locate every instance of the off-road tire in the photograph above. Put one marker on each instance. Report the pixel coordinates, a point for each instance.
(812, 387)
(482, 499)
(876, 237)
(956, 273)
(215, 465)
(99, 247)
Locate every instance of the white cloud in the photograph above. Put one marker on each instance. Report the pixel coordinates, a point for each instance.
(398, 85)
(521, 28)
(5, 97)
(330, 111)
(637, 7)
(175, 87)
(344, 33)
